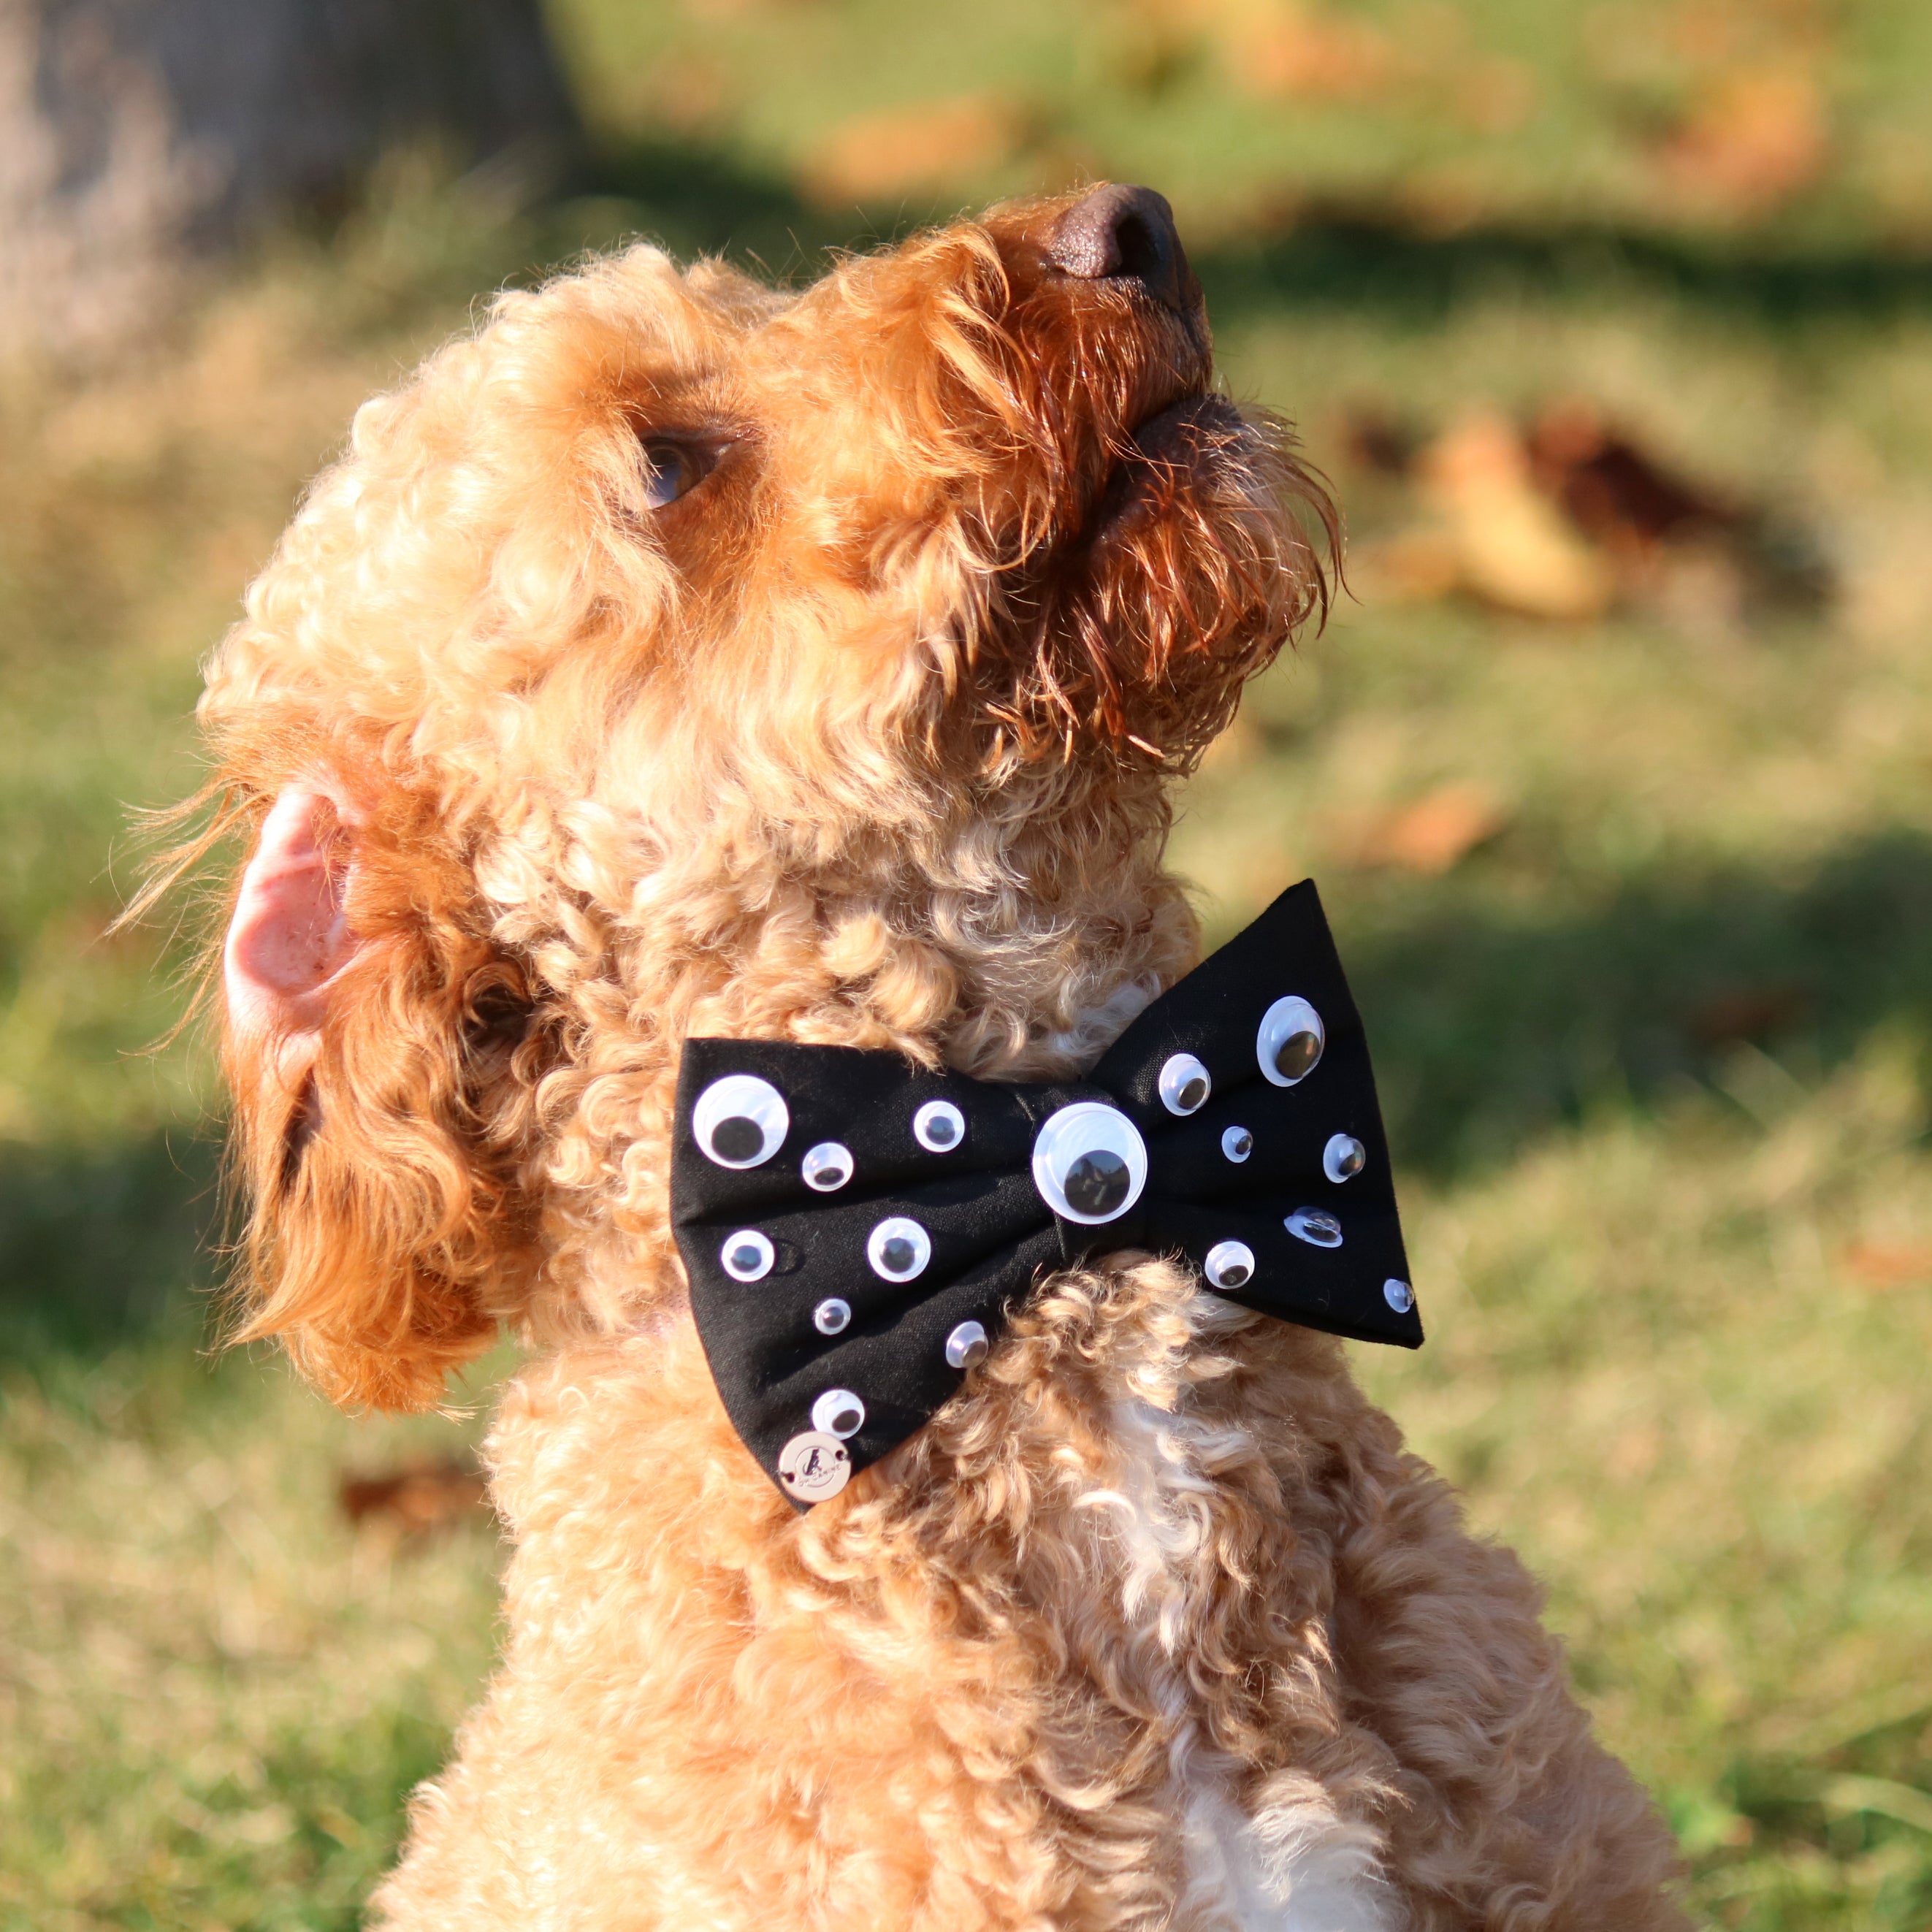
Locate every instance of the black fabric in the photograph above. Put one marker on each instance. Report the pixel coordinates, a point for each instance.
(993, 1233)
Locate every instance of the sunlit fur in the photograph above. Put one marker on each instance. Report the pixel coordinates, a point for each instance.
(868, 739)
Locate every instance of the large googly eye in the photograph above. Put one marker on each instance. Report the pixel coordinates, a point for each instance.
(1229, 1264)
(1089, 1163)
(1290, 1042)
(672, 468)
(1184, 1083)
(838, 1412)
(939, 1126)
(748, 1255)
(1316, 1226)
(740, 1121)
(1344, 1157)
(826, 1166)
(899, 1249)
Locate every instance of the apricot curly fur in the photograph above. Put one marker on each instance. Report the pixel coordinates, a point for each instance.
(867, 738)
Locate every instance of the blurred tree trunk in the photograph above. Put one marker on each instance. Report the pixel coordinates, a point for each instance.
(135, 135)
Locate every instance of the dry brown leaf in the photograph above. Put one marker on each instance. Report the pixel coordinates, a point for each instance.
(1883, 1264)
(1493, 97)
(1437, 832)
(1514, 547)
(416, 1499)
(1738, 1013)
(1751, 142)
(927, 148)
(1297, 53)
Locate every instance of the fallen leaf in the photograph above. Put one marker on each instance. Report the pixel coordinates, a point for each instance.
(925, 149)
(1436, 832)
(1294, 52)
(1749, 142)
(1374, 438)
(416, 1499)
(1752, 1012)
(1514, 547)
(1882, 1264)
(1613, 489)
(1494, 96)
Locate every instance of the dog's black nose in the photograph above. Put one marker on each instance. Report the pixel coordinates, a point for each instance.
(1119, 231)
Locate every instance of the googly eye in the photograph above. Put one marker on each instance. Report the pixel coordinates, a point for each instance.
(1089, 1163)
(1185, 1083)
(899, 1249)
(832, 1316)
(741, 1120)
(1399, 1295)
(1229, 1264)
(939, 1126)
(1237, 1143)
(966, 1347)
(1316, 1226)
(747, 1255)
(1290, 1042)
(1344, 1157)
(826, 1166)
(838, 1412)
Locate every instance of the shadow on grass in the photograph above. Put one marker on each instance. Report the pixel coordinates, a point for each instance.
(1491, 1026)
(702, 199)
(1347, 259)
(104, 1246)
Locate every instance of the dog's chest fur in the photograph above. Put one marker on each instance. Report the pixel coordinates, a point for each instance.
(728, 1718)
(1293, 1863)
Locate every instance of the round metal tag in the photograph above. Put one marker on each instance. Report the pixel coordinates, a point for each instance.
(815, 1466)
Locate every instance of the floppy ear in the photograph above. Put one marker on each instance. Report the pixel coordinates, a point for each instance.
(373, 1037)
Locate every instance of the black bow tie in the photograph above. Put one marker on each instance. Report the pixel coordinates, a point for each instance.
(855, 1228)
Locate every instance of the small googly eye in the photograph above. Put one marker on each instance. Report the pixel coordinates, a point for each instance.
(1344, 1157)
(1399, 1295)
(939, 1126)
(832, 1316)
(1290, 1041)
(740, 1121)
(827, 1166)
(1237, 1143)
(838, 1412)
(1229, 1264)
(966, 1347)
(1316, 1226)
(899, 1249)
(747, 1255)
(1185, 1085)
(1089, 1163)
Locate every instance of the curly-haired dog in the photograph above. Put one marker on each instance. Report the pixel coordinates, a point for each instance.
(679, 657)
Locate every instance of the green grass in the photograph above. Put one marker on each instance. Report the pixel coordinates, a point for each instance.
(1662, 1361)
(1526, 112)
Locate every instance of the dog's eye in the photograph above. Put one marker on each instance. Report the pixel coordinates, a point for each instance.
(671, 468)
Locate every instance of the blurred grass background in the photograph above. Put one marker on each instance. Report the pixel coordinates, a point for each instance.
(1627, 836)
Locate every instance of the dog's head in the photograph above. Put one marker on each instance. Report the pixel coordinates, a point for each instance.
(678, 656)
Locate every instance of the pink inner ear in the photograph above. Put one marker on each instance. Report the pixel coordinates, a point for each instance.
(289, 938)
